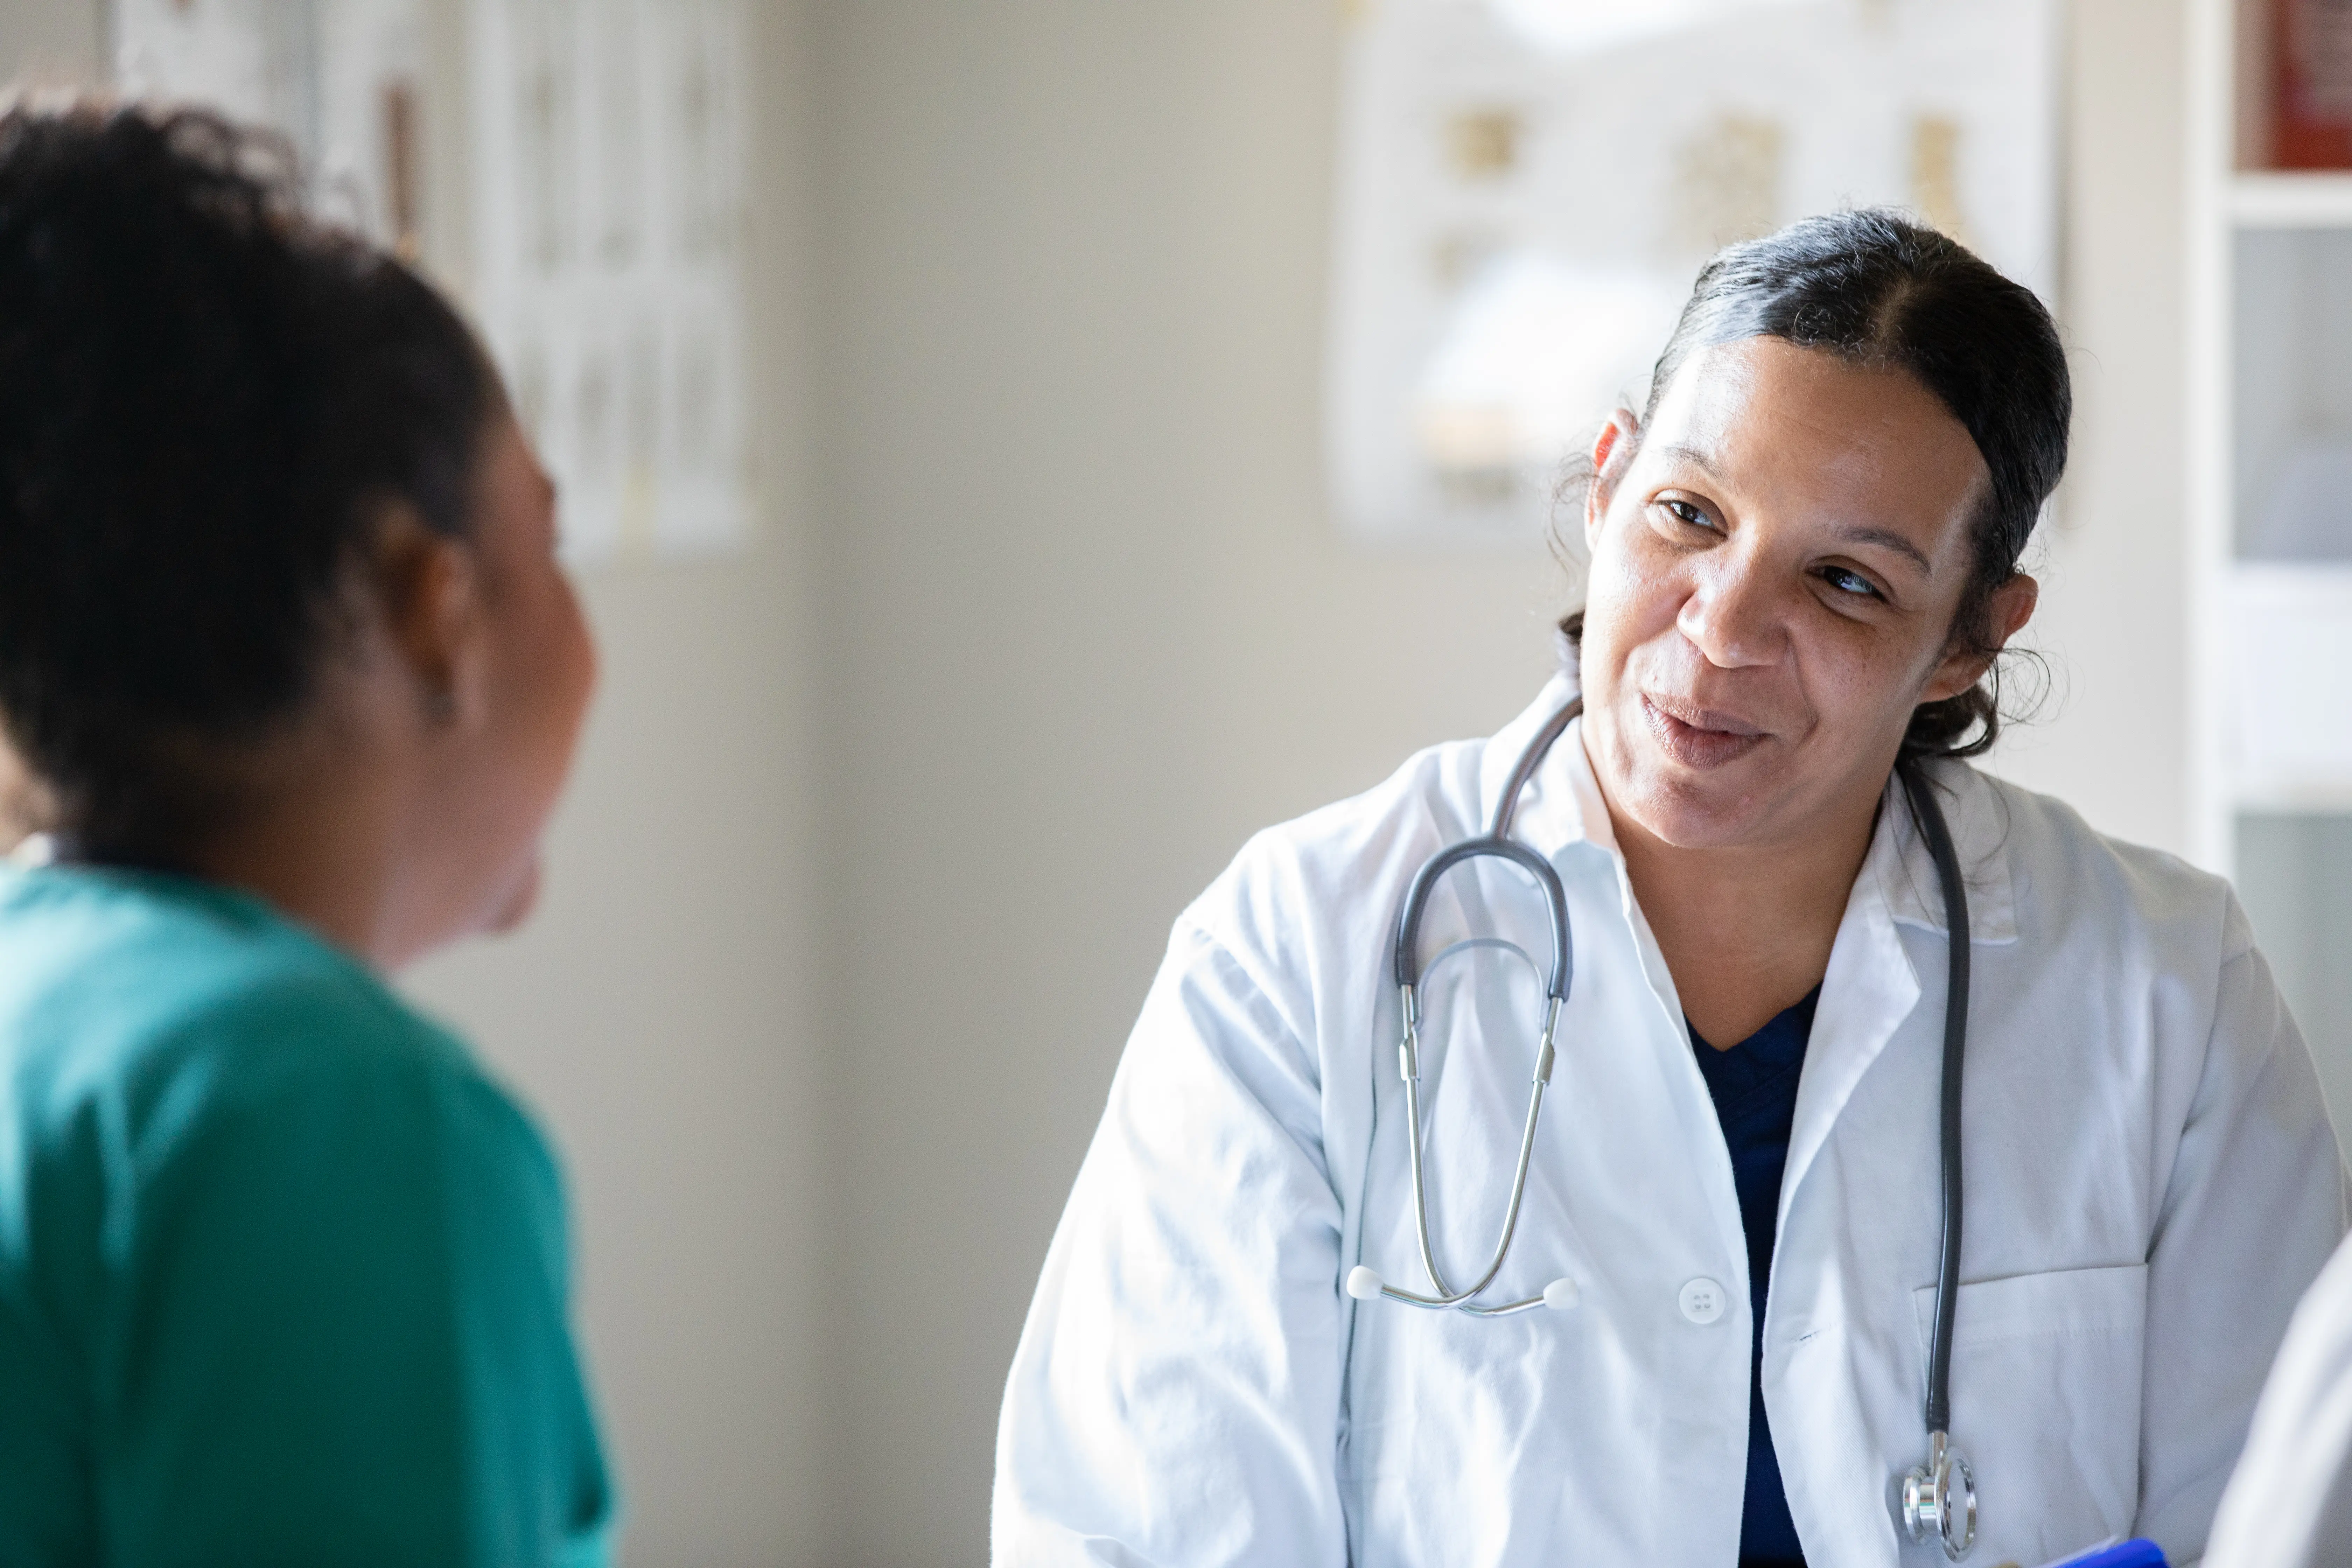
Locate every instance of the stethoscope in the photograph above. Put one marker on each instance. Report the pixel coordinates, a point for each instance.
(1938, 1498)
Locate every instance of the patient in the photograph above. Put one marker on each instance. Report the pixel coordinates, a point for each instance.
(2289, 1505)
(289, 679)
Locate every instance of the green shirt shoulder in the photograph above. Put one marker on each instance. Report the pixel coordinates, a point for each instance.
(282, 1273)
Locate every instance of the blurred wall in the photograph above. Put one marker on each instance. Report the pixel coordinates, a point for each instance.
(2112, 738)
(51, 40)
(1086, 627)
(1086, 624)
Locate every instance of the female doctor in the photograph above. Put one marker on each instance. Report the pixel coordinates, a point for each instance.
(1804, 558)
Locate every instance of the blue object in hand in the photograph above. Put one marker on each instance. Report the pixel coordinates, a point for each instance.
(2122, 1554)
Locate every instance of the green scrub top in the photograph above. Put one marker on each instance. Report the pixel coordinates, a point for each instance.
(282, 1272)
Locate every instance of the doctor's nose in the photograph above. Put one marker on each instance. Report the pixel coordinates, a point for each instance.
(1732, 616)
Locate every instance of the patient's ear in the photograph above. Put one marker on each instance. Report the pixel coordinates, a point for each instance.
(428, 590)
(27, 805)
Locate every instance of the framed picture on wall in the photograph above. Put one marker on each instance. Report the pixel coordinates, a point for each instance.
(1526, 189)
(604, 160)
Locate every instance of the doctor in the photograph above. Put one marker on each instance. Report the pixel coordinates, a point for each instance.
(1804, 557)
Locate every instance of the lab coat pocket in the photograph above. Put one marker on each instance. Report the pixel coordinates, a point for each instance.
(2046, 1372)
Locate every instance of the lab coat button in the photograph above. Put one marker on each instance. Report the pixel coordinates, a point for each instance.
(1701, 1301)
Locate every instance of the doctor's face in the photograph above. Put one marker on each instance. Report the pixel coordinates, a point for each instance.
(1777, 563)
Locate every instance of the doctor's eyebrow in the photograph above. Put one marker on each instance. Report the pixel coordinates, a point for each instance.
(1886, 538)
(1693, 456)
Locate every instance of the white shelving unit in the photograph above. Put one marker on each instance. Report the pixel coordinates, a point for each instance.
(2270, 548)
(2272, 199)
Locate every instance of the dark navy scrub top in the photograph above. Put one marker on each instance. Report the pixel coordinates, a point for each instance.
(1754, 1084)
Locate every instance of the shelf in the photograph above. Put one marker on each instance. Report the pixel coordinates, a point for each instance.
(2290, 630)
(2309, 798)
(2291, 200)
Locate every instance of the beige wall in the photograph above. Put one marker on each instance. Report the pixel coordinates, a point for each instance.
(655, 1014)
(2113, 738)
(50, 40)
(1085, 623)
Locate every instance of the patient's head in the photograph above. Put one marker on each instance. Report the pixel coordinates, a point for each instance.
(277, 592)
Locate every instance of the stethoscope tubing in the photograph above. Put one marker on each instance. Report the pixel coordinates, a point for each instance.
(1929, 815)
(1496, 844)
(1424, 881)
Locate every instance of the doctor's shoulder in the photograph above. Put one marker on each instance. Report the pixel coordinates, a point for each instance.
(2082, 891)
(2158, 965)
(1299, 886)
(1283, 953)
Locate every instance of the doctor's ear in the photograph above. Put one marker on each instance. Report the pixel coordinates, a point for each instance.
(1612, 449)
(2005, 614)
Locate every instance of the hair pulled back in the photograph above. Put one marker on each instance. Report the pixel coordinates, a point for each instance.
(207, 401)
(1879, 290)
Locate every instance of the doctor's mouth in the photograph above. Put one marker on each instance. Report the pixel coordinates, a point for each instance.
(1698, 737)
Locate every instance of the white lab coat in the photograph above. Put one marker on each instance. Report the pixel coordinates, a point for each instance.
(2151, 1182)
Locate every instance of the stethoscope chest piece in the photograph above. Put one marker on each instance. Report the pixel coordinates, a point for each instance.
(1939, 1498)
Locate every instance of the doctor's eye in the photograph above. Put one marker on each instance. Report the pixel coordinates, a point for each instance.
(1850, 582)
(1684, 512)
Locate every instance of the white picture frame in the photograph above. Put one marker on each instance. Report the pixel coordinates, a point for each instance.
(1525, 190)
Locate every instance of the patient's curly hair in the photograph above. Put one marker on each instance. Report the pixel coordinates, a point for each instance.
(207, 401)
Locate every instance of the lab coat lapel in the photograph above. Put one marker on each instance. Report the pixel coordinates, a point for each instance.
(1872, 985)
(1870, 988)
(1565, 816)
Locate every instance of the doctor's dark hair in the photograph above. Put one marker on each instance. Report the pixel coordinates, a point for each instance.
(1881, 291)
(207, 403)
